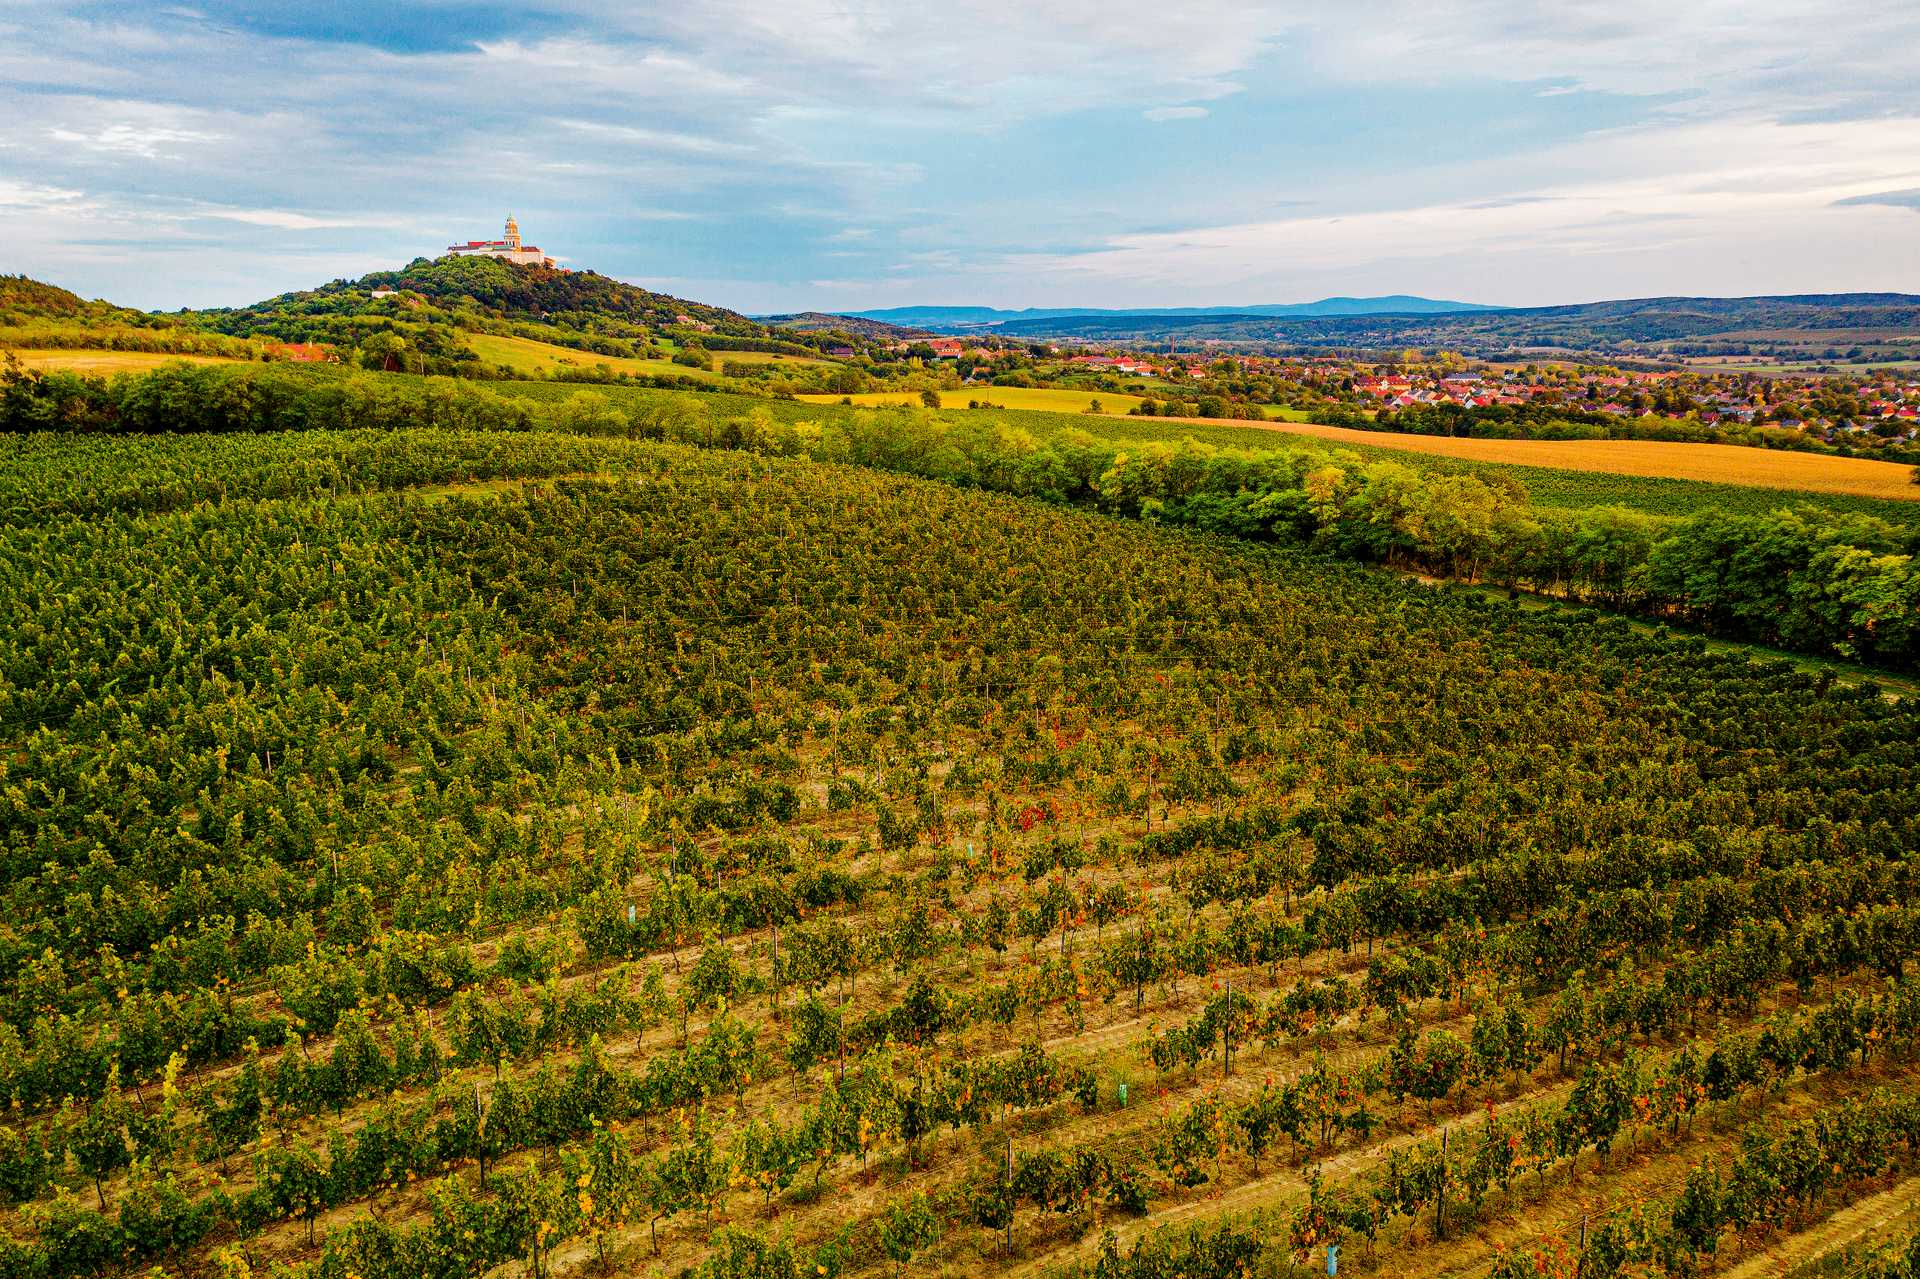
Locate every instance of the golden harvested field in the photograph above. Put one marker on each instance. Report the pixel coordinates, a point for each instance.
(68, 361)
(1048, 399)
(1714, 463)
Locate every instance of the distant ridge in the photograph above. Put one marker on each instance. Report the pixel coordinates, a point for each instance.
(978, 317)
(1635, 326)
(864, 325)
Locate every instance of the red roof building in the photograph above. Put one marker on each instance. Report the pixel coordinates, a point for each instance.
(508, 247)
(301, 353)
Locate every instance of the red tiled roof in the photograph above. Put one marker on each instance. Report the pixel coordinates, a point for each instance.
(300, 352)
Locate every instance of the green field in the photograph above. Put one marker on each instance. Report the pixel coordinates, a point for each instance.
(461, 852)
(775, 358)
(524, 355)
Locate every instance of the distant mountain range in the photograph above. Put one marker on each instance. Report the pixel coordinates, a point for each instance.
(861, 325)
(968, 318)
(1808, 326)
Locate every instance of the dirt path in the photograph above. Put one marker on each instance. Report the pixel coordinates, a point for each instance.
(1843, 1227)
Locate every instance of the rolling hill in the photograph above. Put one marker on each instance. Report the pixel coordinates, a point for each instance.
(490, 288)
(858, 325)
(24, 300)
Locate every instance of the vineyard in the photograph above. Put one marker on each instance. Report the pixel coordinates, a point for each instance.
(447, 851)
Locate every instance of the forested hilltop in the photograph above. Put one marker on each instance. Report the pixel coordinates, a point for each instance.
(37, 315)
(23, 298)
(484, 286)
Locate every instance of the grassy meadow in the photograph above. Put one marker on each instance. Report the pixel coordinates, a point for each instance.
(526, 356)
(775, 358)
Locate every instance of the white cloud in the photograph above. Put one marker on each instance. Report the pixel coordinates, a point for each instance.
(1720, 49)
(128, 139)
(656, 139)
(1746, 206)
(579, 65)
(28, 195)
(1158, 114)
(288, 220)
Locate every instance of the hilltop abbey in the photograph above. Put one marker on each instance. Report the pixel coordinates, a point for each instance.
(509, 248)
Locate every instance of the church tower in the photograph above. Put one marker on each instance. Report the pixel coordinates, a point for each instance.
(510, 248)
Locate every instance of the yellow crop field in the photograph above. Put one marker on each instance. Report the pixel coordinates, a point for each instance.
(79, 361)
(1034, 399)
(1715, 463)
(1045, 399)
(869, 400)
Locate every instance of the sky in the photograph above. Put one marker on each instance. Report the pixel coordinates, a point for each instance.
(779, 155)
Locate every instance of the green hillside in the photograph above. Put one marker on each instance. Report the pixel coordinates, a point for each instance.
(22, 298)
(481, 288)
(48, 322)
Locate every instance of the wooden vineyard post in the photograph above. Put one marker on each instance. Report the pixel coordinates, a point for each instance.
(1009, 1197)
(480, 1132)
(1226, 1034)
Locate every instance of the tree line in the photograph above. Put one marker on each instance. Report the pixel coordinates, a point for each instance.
(1836, 585)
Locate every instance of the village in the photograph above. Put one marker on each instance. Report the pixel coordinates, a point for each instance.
(1883, 404)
